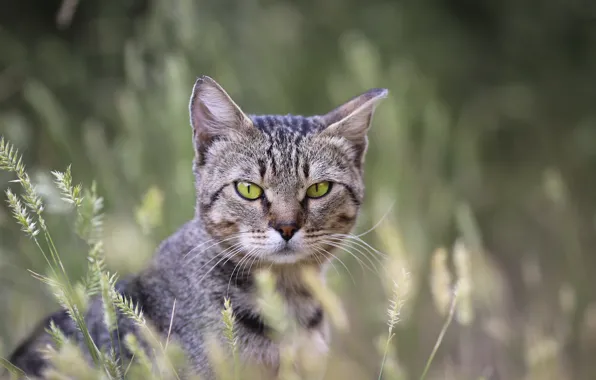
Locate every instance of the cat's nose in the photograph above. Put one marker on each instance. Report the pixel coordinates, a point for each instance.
(287, 230)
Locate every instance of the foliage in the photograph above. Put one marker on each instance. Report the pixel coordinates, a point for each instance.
(68, 359)
(486, 144)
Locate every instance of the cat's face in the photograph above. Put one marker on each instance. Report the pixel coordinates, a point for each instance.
(281, 189)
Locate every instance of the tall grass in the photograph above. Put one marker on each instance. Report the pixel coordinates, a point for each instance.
(68, 359)
(483, 139)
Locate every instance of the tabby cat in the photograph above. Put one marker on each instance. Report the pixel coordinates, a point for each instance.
(272, 191)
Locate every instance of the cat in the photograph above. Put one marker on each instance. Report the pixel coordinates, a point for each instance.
(273, 191)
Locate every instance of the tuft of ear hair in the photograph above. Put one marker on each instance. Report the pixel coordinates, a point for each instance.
(213, 113)
(353, 119)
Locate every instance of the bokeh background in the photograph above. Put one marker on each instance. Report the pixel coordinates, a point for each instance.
(485, 152)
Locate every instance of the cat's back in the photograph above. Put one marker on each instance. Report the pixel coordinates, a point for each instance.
(28, 356)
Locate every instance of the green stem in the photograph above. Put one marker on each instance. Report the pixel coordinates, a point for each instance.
(236, 365)
(78, 318)
(389, 337)
(441, 336)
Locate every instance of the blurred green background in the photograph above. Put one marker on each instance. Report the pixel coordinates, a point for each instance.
(488, 142)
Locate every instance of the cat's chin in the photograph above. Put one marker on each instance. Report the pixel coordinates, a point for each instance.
(287, 255)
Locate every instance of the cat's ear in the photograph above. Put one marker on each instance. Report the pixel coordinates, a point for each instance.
(352, 119)
(213, 114)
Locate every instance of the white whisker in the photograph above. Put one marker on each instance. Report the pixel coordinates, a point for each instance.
(230, 248)
(217, 263)
(361, 242)
(317, 253)
(365, 252)
(256, 259)
(340, 261)
(345, 249)
(379, 222)
(235, 236)
(237, 266)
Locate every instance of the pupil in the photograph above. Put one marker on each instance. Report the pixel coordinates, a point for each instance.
(316, 188)
(248, 189)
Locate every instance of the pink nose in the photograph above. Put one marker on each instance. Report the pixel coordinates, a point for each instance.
(287, 230)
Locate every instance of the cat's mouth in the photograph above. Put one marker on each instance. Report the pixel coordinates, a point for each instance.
(280, 251)
(287, 250)
(287, 254)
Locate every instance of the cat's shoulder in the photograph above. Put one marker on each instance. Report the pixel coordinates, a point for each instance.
(181, 241)
(188, 233)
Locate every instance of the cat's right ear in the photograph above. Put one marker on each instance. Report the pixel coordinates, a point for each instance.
(213, 114)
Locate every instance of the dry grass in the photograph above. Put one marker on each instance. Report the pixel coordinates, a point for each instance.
(471, 180)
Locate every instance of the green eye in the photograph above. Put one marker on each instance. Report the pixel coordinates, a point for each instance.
(248, 190)
(318, 189)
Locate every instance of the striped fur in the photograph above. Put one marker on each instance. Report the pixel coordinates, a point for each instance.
(216, 254)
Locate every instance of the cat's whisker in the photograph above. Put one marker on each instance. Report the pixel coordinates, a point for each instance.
(354, 245)
(235, 236)
(340, 261)
(270, 265)
(242, 264)
(217, 263)
(256, 259)
(375, 261)
(379, 222)
(229, 238)
(237, 266)
(316, 257)
(361, 263)
(198, 246)
(317, 252)
(204, 243)
(225, 251)
(344, 248)
(361, 243)
(354, 238)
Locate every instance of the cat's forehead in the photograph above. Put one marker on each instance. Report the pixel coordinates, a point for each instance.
(288, 126)
(285, 155)
(288, 154)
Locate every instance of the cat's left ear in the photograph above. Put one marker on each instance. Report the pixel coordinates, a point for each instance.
(213, 114)
(352, 120)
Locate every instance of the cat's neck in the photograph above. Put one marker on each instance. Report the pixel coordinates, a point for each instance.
(190, 272)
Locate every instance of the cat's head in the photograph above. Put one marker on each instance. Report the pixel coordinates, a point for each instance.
(280, 188)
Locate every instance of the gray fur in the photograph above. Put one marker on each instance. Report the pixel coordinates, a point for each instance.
(216, 254)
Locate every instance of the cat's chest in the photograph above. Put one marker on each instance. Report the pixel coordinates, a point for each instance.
(301, 307)
(305, 334)
(304, 310)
